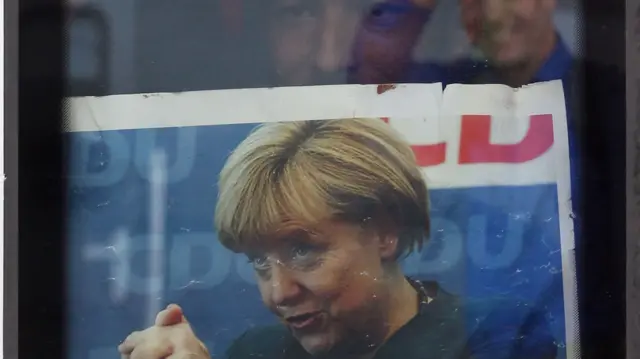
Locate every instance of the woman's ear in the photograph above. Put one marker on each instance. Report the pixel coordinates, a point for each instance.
(388, 245)
(385, 233)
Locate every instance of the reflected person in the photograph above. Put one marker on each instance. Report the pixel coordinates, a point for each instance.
(325, 211)
(502, 30)
(311, 42)
(318, 42)
(519, 40)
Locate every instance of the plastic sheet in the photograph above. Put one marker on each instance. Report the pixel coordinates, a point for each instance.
(143, 186)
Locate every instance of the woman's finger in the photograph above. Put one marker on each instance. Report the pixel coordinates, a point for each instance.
(171, 316)
(187, 355)
(129, 343)
(152, 350)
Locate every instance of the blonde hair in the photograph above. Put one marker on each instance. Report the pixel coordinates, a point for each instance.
(310, 171)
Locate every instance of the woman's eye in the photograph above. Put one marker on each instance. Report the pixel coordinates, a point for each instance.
(301, 251)
(258, 262)
(296, 12)
(377, 11)
(387, 15)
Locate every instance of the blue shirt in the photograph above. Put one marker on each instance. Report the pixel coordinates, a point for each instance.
(558, 66)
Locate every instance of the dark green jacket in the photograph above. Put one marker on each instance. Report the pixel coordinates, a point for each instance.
(446, 328)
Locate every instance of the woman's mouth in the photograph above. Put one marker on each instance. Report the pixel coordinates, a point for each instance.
(304, 321)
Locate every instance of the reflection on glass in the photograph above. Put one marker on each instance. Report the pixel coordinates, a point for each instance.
(87, 52)
(501, 242)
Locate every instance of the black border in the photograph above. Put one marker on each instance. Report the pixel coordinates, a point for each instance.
(42, 290)
(10, 276)
(600, 254)
(633, 179)
(41, 191)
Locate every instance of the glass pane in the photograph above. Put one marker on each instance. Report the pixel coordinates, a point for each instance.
(493, 164)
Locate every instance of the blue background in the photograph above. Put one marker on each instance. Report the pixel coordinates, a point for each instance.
(485, 241)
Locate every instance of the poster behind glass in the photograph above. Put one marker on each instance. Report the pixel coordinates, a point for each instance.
(497, 235)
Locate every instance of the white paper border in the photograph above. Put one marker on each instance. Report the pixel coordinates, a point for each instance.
(162, 110)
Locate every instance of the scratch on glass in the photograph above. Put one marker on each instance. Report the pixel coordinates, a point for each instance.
(157, 202)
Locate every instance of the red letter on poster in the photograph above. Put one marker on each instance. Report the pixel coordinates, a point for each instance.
(427, 155)
(430, 155)
(475, 146)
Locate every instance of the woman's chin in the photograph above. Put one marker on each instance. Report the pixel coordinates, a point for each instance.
(316, 343)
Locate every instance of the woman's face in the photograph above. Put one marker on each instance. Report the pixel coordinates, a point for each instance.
(326, 285)
(315, 42)
(507, 30)
(310, 39)
(386, 39)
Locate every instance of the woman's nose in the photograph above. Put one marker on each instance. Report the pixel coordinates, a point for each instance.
(329, 57)
(284, 288)
(335, 35)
